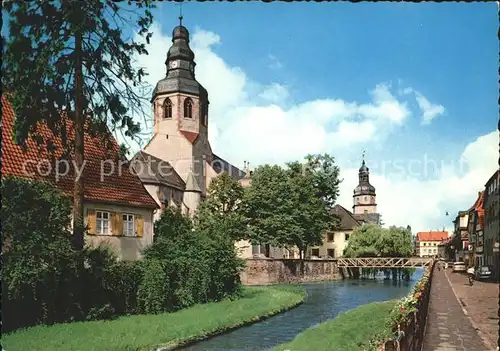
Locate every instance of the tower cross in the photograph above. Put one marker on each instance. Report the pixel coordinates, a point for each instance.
(180, 13)
(363, 155)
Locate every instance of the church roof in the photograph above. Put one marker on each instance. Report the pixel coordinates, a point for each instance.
(180, 78)
(220, 165)
(151, 169)
(364, 187)
(347, 219)
(368, 218)
(120, 187)
(191, 183)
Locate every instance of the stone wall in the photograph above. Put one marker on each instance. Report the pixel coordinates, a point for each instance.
(277, 271)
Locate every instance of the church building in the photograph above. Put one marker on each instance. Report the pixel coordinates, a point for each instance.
(178, 164)
(364, 210)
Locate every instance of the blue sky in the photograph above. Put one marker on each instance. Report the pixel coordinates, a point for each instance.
(288, 79)
(445, 53)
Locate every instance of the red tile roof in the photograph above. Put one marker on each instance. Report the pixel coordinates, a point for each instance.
(431, 236)
(121, 186)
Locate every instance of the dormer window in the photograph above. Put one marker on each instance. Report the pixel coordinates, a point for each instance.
(167, 108)
(188, 108)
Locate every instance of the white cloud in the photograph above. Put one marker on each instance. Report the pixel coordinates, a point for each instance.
(404, 198)
(428, 109)
(262, 124)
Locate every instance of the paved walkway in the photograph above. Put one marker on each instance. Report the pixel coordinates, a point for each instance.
(481, 303)
(448, 328)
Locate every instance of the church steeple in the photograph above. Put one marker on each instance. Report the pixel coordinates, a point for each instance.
(364, 194)
(180, 77)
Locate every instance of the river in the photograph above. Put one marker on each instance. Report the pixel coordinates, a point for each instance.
(325, 301)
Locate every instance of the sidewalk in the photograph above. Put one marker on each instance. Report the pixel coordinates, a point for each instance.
(448, 328)
(481, 303)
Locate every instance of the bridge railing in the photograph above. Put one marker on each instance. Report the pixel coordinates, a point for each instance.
(383, 262)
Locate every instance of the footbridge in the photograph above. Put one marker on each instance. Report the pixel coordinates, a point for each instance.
(384, 262)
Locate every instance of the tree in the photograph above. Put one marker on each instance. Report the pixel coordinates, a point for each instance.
(370, 240)
(268, 207)
(283, 208)
(325, 175)
(221, 213)
(395, 242)
(363, 241)
(312, 218)
(69, 58)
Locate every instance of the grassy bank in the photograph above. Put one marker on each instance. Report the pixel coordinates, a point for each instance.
(349, 331)
(145, 332)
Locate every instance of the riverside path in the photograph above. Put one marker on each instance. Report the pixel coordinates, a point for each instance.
(448, 328)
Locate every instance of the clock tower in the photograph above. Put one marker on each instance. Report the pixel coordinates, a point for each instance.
(364, 194)
(180, 110)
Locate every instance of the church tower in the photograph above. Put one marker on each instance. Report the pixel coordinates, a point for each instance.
(364, 194)
(180, 110)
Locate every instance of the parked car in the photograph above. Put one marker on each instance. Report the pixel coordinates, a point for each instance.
(483, 273)
(459, 267)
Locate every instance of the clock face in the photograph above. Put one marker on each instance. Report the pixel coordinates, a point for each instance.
(173, 64)
(191, 67)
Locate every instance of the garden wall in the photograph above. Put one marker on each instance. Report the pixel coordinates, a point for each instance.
(277, 271)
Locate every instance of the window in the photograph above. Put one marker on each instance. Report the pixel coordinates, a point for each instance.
(315, 252)
(366, 211)
(167, 108)
(330, 253)
(329, 237)
(366, 198)
(424, 244)
(188, 108)
(128, 225)
(346, 237)
(102, 222)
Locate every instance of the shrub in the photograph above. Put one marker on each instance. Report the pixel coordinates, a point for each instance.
(38, 259)
(154, 288)
(121, 281)
(190, 267)
(44, 279)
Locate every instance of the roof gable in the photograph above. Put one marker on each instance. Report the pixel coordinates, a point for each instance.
(347, 219)
(152, 169)
(107, 177)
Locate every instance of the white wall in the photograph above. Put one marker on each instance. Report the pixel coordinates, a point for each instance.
(127, 248)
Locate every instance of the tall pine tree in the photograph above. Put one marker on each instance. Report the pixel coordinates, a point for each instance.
(71, 57)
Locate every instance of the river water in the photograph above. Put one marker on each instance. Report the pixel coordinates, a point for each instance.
(325, 301)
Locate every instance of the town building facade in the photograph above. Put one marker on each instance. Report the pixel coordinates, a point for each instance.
(426, 244)
(476, 231)
(461, 235)
(491, 206)
(118, 210)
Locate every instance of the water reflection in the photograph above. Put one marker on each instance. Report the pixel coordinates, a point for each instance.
(325, 301)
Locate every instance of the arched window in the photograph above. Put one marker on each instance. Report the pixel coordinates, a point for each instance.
(167, 108)
(188, 108)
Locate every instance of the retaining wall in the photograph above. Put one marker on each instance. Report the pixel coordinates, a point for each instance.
(277, 271)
